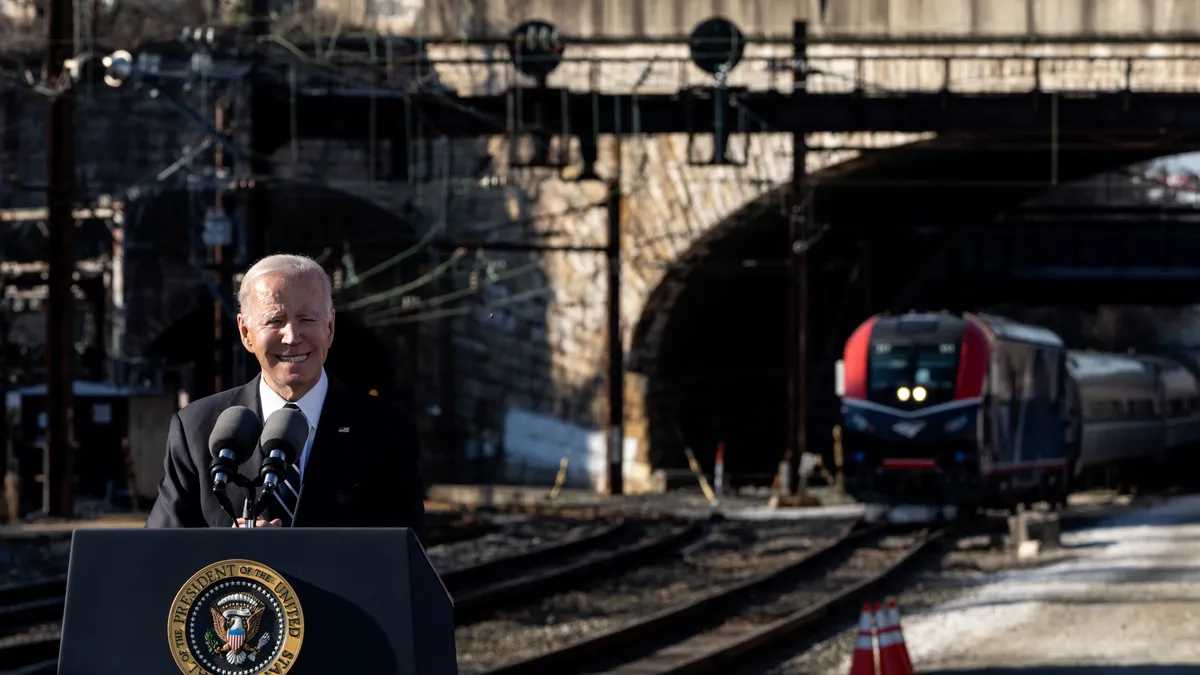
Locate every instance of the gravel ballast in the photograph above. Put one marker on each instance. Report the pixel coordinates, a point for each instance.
(731, 551)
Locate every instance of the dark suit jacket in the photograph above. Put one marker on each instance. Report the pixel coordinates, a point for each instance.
(362, 470)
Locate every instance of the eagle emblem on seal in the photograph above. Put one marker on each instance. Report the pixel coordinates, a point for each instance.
(236, 620)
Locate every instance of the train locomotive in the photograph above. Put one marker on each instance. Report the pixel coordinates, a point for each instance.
(976, 411)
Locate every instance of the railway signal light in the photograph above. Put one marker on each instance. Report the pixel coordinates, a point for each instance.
(716, 46)
(118, 68)
(90, 67)
(536, 48)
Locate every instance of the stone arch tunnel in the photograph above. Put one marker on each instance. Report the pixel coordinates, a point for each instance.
(712, 338)
(178, 312)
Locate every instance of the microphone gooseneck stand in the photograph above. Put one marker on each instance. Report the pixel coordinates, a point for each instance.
(273, 470)
(250, 511)
(224, 472)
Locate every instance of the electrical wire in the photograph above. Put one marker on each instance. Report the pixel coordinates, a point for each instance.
(460, 311)
(458, 294)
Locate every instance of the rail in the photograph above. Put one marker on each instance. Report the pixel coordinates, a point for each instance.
(593, 649)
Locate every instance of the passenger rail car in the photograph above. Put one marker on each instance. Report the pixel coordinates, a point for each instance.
(1136, 414)
(978, 410)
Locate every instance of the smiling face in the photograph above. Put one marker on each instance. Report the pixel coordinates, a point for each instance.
(288, 326)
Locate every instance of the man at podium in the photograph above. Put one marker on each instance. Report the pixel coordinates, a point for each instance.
(358, 467)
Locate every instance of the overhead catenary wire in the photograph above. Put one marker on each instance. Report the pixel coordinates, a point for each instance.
(458, 294)
(426, 240)
(459, 311)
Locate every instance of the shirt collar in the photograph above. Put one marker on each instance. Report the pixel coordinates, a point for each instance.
(310, 404)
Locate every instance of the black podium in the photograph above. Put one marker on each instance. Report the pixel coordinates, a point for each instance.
(247, 601)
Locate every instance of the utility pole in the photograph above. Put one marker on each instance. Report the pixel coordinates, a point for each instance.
(798, 273)
(222, 235)
(60, 188)
(616, 354)
(258, 236)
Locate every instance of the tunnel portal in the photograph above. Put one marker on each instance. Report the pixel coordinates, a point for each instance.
(716, 369)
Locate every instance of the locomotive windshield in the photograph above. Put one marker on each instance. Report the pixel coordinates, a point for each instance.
(912, 375)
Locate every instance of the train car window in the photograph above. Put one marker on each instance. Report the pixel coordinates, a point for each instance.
(1106, 410)
(889, 367)
(936, 368)
(895, 370)
(1143, 409)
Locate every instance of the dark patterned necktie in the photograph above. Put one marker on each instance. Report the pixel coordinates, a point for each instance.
(287, 493)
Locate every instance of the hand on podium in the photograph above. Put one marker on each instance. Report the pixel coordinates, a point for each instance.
(241, 522)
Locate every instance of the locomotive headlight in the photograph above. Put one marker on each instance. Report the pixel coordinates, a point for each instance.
(918, 394)
(903, 393)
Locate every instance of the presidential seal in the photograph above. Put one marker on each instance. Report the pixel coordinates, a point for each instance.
(235, 617)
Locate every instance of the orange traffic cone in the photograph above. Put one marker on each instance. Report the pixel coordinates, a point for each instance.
(890, 660)
(901, 647)
(863, 662)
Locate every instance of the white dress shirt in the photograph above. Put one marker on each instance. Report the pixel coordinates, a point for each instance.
(310, 404)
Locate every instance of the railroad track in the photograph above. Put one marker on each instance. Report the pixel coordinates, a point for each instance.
(26, 607)
(711, 633)
(477, 589)
(701, 636)
(480, 589)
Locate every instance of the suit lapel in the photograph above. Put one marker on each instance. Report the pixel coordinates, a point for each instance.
(247, 395)
(330, 444)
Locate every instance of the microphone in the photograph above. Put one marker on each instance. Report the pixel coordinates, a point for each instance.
(283, 438)
(231, 443)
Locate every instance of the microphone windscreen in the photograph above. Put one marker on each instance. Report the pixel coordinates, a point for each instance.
(236, 429)
(286, 430)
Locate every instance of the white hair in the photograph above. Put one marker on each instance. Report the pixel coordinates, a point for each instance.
(286, 265)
